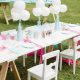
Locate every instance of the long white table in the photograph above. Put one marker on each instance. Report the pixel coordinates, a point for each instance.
(15, 49)
(57, 37)
(7, 58)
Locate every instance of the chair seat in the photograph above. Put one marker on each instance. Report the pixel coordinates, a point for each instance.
(70, 53)
(38, 70)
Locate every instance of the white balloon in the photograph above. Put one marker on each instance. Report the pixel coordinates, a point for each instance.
(45, 11)
(15, 16)
(25, 15)
(63, 8)
(51, 9)
(19, 5)
(15, 10)
(40, 3)
(55, 9)
(37, 11)
(56, 2)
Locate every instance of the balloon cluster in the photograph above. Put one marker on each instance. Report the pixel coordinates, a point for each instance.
(18, 11)
(40, 9)
(57, 7)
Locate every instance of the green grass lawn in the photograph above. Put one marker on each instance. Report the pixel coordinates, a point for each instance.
(71, 16)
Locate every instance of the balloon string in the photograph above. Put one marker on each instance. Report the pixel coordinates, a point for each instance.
(54, 17)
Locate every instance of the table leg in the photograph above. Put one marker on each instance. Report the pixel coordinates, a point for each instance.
(24, 56)
(35, 56)
(60, 46)
(4, 70)
(5, 17)
(50, 48)
(15, 71)
(45, 50)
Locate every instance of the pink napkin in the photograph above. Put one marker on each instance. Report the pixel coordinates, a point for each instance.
(3, 37)
(12, 37)
(2, 48)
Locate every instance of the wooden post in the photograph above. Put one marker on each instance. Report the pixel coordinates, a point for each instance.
(60, 46)
(4, 70)
(50, 48)
(6, 18)
(3, 5)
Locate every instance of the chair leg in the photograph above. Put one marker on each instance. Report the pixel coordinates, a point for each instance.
(35, 56)
(23, 60)
(60, 62)
(15, 71)
(29, 76)
(56, 78)
(74, 66)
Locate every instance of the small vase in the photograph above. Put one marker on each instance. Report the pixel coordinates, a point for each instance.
(39, 22)
(20, 32)
(57, 23)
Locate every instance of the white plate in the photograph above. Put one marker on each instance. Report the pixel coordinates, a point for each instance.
(27, 45)
(65, 32)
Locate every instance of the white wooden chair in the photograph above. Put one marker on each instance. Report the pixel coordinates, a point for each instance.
(71, 53)
(44, 71)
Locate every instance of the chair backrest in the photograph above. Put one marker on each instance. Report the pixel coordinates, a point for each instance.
(70, 43)
(76, 43)
(55, 63)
